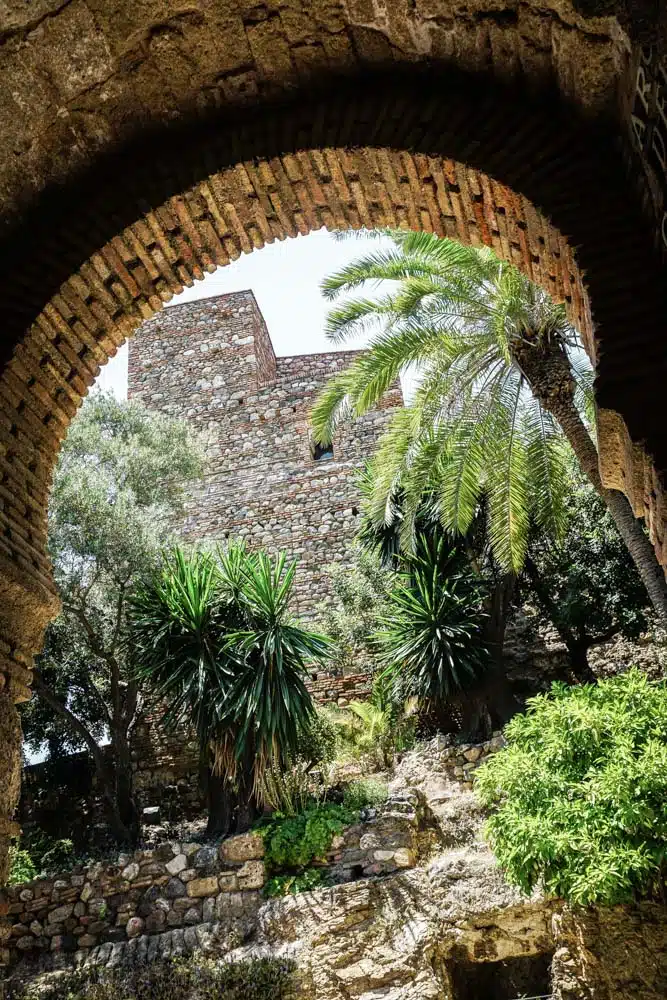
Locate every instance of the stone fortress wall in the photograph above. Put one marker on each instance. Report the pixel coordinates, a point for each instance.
(213, 362)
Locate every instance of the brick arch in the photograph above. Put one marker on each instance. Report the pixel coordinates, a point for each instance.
(443, 150)
(231, 212)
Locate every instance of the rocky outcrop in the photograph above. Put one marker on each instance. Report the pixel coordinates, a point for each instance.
(611, 954)
(450, 928)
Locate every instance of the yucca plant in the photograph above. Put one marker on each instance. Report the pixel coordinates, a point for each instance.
(431, 640)
(267, 700)
(212, 634)
(503, 383)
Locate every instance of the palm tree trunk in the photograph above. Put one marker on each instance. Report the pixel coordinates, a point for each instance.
(221, 805)
(561, 405)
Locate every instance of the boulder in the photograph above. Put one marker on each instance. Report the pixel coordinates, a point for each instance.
(134, 927)
(244, 847)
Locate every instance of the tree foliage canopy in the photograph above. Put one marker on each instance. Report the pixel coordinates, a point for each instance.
(358, 596)
(475, 426)
(586, 581)
(120, 480)
(119, 484)
(580, 792)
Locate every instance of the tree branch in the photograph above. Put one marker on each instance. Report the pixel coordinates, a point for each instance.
(43, 691)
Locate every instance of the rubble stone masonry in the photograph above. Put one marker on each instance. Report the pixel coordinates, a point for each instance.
(213, 363)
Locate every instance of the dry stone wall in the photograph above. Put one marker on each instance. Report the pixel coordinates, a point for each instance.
(175, 885)
(180, 886)
(213, 363)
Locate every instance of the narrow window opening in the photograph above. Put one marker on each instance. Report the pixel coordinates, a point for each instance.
(322, 452)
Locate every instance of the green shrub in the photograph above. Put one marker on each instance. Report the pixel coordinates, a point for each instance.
(580, 792)
(40, 855)
(58, 857)
(318, 740)
(290, 885)
(365, 792)
(185, 979)
(375, 729)
(21, 866)
(294, 842)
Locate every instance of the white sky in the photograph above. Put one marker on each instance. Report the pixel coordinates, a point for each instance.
(285, 278)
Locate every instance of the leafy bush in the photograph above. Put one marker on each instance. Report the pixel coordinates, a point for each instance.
(41, 855)
(359, 595)
(21, 866)
(294, 842)
(318, 740)
(59, 856)
(376, 729)
(365, 792)
(290, 885)
(580, 792)
(187, 979)
(586, 582)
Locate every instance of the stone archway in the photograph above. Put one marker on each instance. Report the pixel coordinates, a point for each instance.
(110, 208)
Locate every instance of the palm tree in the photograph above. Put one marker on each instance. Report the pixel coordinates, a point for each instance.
(503, 380)
(213, 636)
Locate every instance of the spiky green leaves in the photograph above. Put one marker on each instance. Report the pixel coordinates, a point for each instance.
(431, 641)
(473, 429)
(213, 634)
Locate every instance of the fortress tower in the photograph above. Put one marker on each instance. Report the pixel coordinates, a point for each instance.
(213, 362)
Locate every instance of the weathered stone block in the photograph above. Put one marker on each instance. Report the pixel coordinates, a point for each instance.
(228, 882)
(60, 913)
(155, 921)
(177, 864)
(244, 847)
(200, 887)
(131, 872)
(174, 889)
(192, 916)
(252, 875)
(205, 858)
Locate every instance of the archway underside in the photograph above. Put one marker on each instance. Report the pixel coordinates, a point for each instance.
(447, 153)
